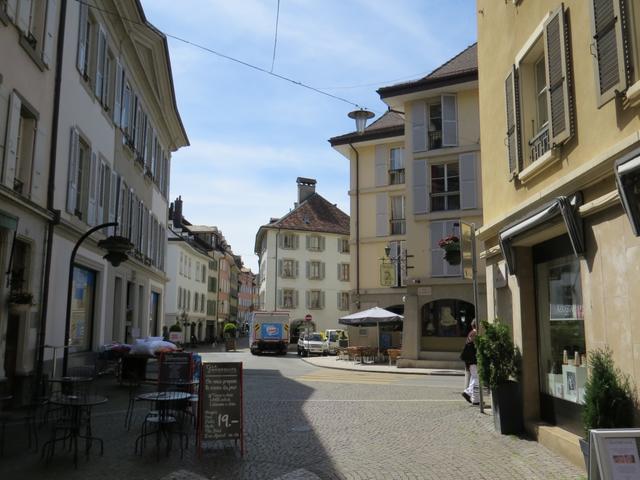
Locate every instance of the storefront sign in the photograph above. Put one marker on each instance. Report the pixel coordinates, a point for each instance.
(387, 275)
(614, 454)
(176, 337)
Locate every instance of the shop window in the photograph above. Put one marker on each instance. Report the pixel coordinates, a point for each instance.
(82, 311)
(447, 318)
(562, 347)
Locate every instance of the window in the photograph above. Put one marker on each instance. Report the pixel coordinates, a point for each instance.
(445, 187)
(213, 265)
(79, 172)
(288, 268)
(343, 301)
(439, 266)
(343, 245)
(396, 166)
(397, 215)
(435, 126)
(289, 241)
(211, 307)
(315, 243)
(203, 273)
(315, 270)
(21, 144)
(537, 93)
(82, 311)
(398, 259)
(212, 288)
(288, 298)
(86, 42)
(343, 272)
(315, 299)
(36, 19)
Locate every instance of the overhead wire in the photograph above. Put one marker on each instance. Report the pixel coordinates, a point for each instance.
(275, 37)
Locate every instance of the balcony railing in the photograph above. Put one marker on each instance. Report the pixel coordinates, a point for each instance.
(397, 226)
(396, 177)
(435, 139)
(539, 145)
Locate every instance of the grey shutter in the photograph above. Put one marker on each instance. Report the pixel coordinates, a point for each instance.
(419, 126)
(296, 241)
(117, 98)
(611, 56)
(449, 121)
(40, 165)
(120, 207)
(437, 231)
(308, 241)
(101, 193)
(306, 296)
(24, 14)
(49, 32)
(100, 61)
(555, 37)
(281, 240)
(420, 187)
(83, 37)
(512, 102)
(321, 241)
(468, 181)
(381, 165)
(338, 277)
(450, 229)
(307, 268)
(280, 268)
(11, 8)
(94, 176)
(11, 144)
(322, 270)
(322, 299)
(72, 181)
(382, 215)
(295, 271)
(280, 298)
(113, 193)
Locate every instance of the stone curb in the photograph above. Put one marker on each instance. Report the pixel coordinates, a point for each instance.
(411, 371)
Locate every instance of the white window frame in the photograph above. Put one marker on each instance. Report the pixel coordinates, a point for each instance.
(446, 194)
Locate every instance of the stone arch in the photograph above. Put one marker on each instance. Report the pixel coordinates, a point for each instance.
(446, 317)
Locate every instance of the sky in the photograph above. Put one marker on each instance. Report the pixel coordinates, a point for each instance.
(252, 134)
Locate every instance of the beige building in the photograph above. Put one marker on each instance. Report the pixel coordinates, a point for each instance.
(415, 176)
(559, 89)
(28, 61)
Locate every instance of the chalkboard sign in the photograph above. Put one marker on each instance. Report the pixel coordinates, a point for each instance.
(175, 367)
(221, 402)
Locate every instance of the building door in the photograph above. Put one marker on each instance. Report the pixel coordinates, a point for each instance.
(561, 339)
(154, 313)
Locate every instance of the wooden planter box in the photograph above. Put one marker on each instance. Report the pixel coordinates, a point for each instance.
(230, 344)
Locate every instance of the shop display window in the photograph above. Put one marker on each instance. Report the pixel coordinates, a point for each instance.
(84, 283)
(447, 318)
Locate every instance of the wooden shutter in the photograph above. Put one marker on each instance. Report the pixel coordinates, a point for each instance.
(120, 207)
(449, 121)
(381, 165)
(321, 241)
(296, 241)
(72, 180)
(512, 103)
(419, 126)
(280, 298)
(24, 14)
(11, 7)
(468, 181)
(295, 267)
(11, 144)
(307, 269)
(83, 38)
(113, 195)
(555, 38)
(420, 187)
(280, 268)
(117, 98)
(49, 32)
(611, 52)
(322, 272)
(94, 177)
(306, 297)
(295, 299)
(382, 215)
(437, 231)
(40, 167)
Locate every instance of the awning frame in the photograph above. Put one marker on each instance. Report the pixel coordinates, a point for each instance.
(566, 207)
(628, 164)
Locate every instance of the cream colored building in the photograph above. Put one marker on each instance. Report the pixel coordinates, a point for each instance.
(559, 94)
(118, 124)
(415, 176)
(305, 262)
(28, 60)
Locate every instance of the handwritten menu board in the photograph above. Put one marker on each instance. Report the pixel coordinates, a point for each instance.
(221, 401)
(175, 367)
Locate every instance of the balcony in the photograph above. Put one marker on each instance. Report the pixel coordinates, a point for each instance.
(396, 177)
(435, 139)
(539, 145)
(397, 226)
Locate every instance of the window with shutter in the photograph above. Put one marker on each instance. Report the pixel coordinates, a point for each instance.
(381, 165)
(439, 266)
(382, 216)
(396, 166)
(513, 132)
(445, 186)
(419, 126)
(469, 179)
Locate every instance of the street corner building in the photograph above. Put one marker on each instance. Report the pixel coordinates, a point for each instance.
(304, 261)
(91, 122)
(560, 131)
(415, 179)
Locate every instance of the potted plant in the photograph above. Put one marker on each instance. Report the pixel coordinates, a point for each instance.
(498, 367)
(20, 301)
(609, 398)
(451, 247)
(229, 336)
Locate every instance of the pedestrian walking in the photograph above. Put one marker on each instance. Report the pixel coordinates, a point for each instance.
(471, 394)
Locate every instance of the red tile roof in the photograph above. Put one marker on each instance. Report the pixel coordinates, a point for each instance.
(315, 214)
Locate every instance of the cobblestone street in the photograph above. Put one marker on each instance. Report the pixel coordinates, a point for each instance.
(304, 422)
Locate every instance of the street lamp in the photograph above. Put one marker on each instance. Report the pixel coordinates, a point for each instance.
(399, 262)
(117, 248)
(361, 116)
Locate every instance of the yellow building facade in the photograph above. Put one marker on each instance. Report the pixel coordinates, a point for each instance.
(560, 138)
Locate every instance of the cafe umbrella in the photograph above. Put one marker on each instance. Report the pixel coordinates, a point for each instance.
(369, 318)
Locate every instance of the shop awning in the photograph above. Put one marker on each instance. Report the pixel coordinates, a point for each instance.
(627, 172)
(563, 209)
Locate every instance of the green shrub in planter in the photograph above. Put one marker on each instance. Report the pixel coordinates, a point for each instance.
(175, 328)
(230, 329)
(609, 398)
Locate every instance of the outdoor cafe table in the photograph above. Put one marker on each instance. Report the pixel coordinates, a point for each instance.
(75, 409)
(69, 385)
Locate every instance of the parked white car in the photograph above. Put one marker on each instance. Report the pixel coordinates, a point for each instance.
(310, 343)
(336, 338)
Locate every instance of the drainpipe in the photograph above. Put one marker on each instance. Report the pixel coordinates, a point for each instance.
(50, 191)
(357, 226)
(275, 290)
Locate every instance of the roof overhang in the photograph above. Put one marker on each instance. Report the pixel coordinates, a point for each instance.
(397, 98)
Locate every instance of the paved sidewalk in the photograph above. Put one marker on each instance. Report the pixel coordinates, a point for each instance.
(333, 362)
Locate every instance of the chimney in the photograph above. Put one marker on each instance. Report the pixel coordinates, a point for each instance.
(177, 213)
(306, 188)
